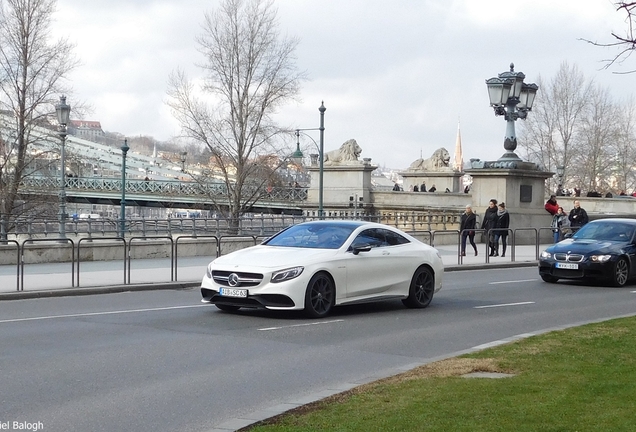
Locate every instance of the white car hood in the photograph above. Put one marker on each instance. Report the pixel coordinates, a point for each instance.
(270, 257)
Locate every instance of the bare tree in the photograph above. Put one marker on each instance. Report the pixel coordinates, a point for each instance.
(32, 76)
(594, 161)
(626, 41)
(550, 135)
(249, 72)
(624, 147)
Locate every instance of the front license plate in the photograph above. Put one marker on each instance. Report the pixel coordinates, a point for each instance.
(568, 266)
(233, 292)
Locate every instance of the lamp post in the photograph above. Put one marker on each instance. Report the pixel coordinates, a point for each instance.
(124, 150)
(183, 160)
(560, 173)
(321, 152)
(322, 110)
(513, 99)
(63, 111)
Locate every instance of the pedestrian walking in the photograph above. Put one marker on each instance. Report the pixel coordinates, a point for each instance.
(467, 225)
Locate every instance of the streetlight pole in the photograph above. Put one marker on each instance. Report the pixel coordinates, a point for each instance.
(63, 111)
(322, 110)
(513, 99)
(124, 150)
(321, 151)
(560, 173)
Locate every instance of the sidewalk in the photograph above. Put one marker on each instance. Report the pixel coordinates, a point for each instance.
(54, 279)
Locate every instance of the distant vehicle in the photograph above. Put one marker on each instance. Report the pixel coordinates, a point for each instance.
(604, 249)
(90, 216)
(187, 215)
(314, 266)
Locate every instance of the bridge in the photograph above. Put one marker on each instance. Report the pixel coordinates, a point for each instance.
(162, 193)
(150, 182)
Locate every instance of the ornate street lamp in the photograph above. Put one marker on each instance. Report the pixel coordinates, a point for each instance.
(560, 173)
(297, 156)
(183, 160)
(124, 150)
(513, 99)
(63, 111)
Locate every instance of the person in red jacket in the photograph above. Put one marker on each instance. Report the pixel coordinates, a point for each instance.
(551, 205)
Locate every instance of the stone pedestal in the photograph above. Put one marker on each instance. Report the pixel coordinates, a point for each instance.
(340, 182)
(441, 179)
(523, 191)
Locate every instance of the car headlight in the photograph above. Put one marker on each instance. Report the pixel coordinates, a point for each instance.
(287, 274)
(208, 272)
(546, 255)
(600, 258)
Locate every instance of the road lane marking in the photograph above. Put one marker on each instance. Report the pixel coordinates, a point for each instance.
(504, 304)
(300, 325)
(88, 314)
(513, 281)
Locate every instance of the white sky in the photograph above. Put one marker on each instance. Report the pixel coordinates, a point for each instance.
(396, 76)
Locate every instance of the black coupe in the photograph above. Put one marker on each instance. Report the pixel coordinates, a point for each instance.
(604, 249)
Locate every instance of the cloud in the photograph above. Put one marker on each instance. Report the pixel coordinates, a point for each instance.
(395, 76)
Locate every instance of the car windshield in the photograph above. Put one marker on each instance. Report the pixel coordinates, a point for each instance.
(315, 236)
(612, 231)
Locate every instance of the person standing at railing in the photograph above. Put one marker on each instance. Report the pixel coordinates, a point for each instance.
(551, 205)
(560, 223)
(490, 222)
(578, 216)
(467, 224)
(502, 224)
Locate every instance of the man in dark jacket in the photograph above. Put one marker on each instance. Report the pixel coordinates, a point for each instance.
(490, 222)
(578, 216)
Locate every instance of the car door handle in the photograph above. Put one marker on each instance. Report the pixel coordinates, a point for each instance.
(386, 253)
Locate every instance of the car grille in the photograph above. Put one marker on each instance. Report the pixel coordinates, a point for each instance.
(568, 257)
(568, 274)
(242, 280)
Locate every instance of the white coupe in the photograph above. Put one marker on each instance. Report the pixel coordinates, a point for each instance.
(318, 265)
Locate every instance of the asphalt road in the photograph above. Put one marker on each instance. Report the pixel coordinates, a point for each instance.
(160, 360)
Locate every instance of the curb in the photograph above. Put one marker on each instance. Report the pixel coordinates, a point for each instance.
(110, 289)
(482, 266)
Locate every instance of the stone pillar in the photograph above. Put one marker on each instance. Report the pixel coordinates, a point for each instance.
(523, 191)
(341, 181)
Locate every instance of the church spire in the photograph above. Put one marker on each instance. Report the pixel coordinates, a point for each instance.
(458, 159)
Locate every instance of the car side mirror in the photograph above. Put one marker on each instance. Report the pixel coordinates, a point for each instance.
(365, 247)
(568, 235)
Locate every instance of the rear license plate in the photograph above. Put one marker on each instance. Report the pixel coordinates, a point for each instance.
(568, 266)
(233, 292)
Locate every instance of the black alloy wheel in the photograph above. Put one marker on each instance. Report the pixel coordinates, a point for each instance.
(320, 296)
(620, 275)
(422, 288)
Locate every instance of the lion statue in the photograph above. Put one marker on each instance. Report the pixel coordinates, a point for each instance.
(438, 162)
(347, 154)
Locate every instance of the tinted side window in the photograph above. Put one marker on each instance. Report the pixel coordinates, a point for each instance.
(393, 239)
(373, 237)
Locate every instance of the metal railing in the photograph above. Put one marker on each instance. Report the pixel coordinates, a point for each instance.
(260, 224)
(82, 244)
(166, 188)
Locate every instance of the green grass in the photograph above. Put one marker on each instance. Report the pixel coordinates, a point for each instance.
(579, 379)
